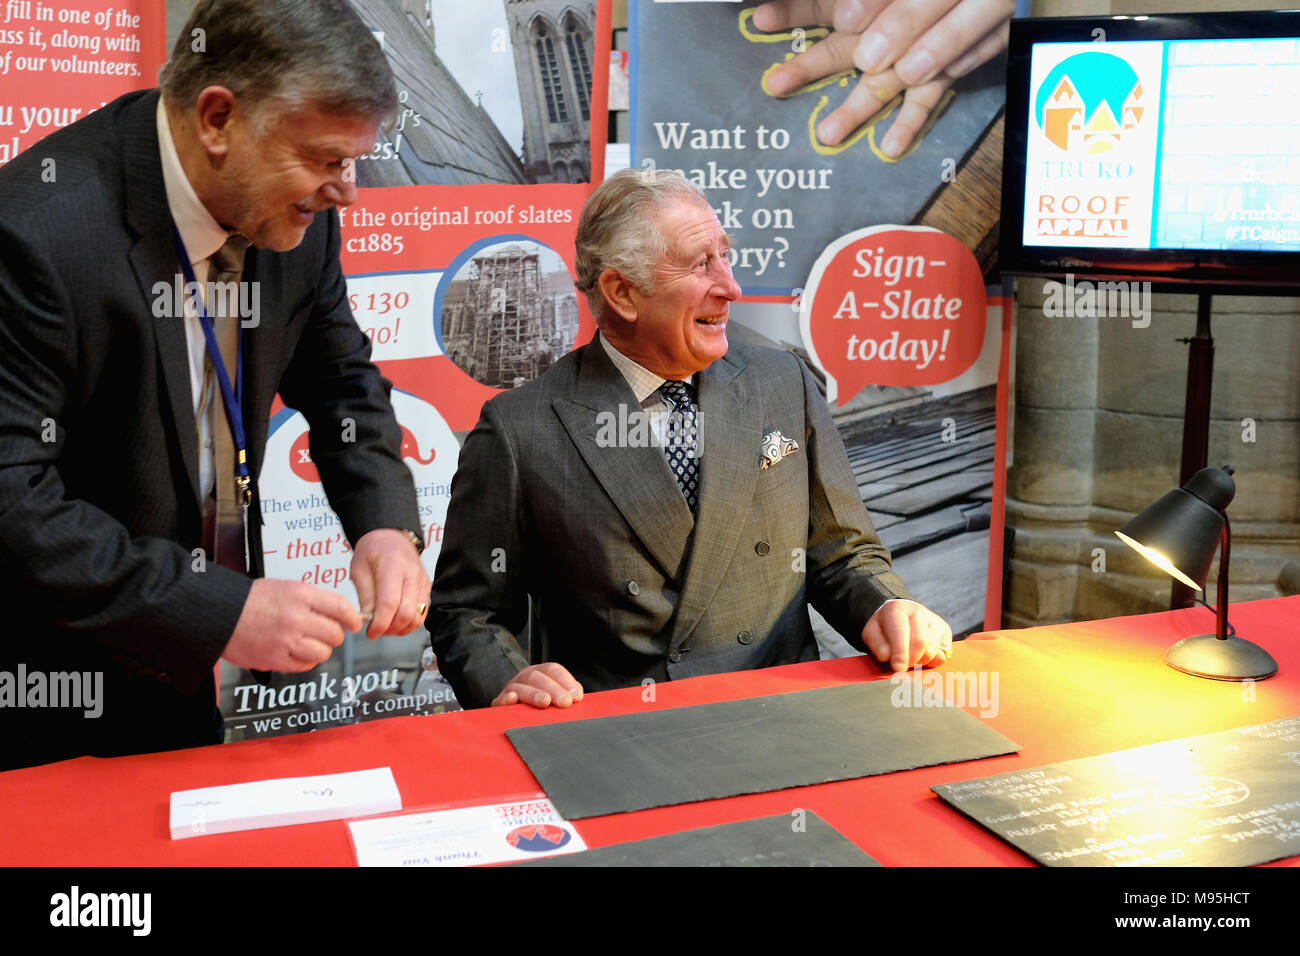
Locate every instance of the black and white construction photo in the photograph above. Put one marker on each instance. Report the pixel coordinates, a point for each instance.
(508, 313)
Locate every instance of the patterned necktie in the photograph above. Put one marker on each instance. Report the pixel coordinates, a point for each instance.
(227, 542)
(681, 439)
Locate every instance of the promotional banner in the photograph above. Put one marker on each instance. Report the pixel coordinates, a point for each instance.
(898, 316)
(893, 306)
(865, 253)
(62, 61)
(459, 258)
(779, 189)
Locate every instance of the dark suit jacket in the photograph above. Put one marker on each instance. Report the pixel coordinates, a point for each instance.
(99, 499)
(626, 584)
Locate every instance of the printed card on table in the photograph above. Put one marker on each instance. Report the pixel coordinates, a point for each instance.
(466, 836)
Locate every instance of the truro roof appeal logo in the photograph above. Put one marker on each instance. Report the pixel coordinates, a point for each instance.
(538, 837)
(1089, 103)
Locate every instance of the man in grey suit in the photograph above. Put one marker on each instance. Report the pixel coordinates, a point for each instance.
(668, 504)
(109, 406)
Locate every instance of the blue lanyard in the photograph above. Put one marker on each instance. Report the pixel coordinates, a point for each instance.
(231, 398)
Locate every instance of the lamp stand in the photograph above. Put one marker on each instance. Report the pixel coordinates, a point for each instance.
(1230, 659)
(1218, 656)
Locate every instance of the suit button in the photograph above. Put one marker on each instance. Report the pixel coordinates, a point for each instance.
(762, 548)
(674, 657)
(633, 588)
(745, 637)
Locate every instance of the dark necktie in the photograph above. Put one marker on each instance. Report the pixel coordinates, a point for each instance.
(227, 542)
(681, 439)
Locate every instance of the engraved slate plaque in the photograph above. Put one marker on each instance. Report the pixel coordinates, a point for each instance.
(1226, 799)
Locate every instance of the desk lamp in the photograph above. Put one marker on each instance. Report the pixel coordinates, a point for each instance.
(1178, 534)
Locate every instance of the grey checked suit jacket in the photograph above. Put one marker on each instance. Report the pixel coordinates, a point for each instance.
(626, 584)
(97, 525)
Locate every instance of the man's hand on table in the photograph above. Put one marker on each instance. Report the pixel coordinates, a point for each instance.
(541, 685)
(289, 626)
(905, 634)
(390, 579)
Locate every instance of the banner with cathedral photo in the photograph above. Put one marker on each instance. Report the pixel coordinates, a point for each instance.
(868, 262)
(459, 257)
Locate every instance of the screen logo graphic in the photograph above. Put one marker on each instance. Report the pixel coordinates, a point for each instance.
(1089, 103)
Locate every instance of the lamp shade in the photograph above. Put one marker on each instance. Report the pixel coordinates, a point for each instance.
(1181, 531)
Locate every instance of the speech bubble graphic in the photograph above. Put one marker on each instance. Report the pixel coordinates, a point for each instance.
(300, 457)
(893, 305)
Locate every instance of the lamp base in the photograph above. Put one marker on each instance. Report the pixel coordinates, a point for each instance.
(1230, 659)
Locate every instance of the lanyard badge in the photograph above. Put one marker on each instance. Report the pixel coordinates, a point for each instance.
(231, 397)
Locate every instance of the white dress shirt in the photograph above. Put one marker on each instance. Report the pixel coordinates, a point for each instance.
(202, 236)
(645, 386)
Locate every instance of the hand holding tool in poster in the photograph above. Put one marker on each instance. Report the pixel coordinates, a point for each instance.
(893, 305)
(789, 168)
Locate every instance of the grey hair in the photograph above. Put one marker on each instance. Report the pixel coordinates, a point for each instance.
(289, 54)
(619, 228)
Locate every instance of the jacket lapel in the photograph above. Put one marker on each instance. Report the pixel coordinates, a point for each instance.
(730, 432)
(637, 479)
(153, 259)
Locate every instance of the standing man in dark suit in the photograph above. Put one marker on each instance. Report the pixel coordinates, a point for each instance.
(668, 505)
(123, 570)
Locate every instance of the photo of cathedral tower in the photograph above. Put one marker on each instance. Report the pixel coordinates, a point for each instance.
(552, 41)
(444, 134)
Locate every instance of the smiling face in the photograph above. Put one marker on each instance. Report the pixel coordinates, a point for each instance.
(681, 328)
(270, 185)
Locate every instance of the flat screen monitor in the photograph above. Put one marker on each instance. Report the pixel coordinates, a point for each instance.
(1164, 147)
